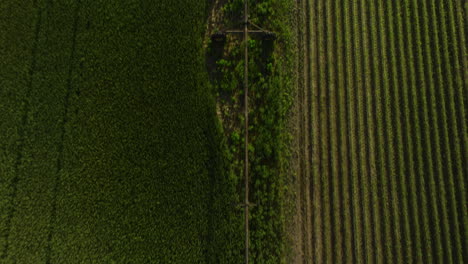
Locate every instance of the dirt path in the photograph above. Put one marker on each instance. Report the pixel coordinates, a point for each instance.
(302, 234)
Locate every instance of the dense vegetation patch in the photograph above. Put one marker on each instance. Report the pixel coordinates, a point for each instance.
(270, 93)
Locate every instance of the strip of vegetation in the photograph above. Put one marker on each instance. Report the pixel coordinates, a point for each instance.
(270, 100)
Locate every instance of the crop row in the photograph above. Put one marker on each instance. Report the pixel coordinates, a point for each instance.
(388, 131)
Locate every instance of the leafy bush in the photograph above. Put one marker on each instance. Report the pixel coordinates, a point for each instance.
(270, 101)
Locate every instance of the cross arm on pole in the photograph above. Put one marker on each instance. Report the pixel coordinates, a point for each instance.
(220, 38)
(241, 31)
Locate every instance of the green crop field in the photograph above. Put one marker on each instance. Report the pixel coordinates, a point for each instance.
(122, 137)
(387, 86)
(108, 137)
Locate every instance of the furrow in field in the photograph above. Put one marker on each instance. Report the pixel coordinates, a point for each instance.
(428, 140)
(367, 136)
(459, 58)
(450, 142)
(315, 238)
(388, 174)
(375, 111)
(398, 177)
(408, 77)
(386, 21)
(443, 254)
(459, 129)
(421, 125)
(342, 175)
(323, 105)
(461, 17)
(461, 64)
(335, 190)
(307, 121)
(388, 132)
(461, 101)
(360, 239)
(347, 101)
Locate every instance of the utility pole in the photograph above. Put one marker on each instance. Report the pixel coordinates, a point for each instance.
(221, 37)
(246, 119)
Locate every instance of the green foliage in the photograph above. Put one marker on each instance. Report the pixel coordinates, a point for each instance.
(270, 101)
(120, 157)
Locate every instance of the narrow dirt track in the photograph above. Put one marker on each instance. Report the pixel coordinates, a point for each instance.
(303, 237)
